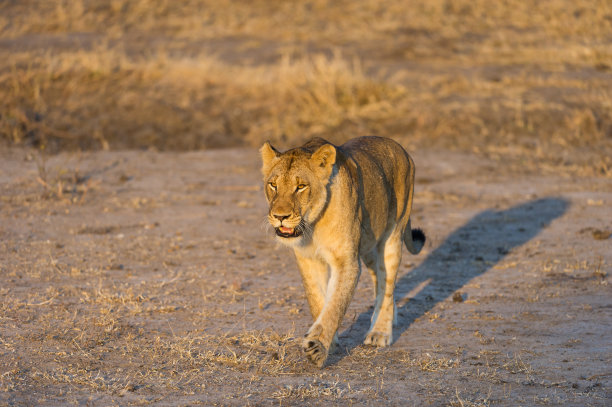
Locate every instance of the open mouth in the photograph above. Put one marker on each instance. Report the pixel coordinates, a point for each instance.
(283, 231)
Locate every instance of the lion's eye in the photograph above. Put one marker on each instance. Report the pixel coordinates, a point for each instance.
(272, 185)
(301, 187)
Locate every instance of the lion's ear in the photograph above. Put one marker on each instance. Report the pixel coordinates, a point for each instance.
(269, 155)
(323, 159)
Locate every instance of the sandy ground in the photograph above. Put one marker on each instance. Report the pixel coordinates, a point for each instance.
(130, 278)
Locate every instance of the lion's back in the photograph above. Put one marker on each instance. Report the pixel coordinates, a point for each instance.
(384, 172)
(375, 154)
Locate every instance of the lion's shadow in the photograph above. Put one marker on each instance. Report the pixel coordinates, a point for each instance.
(468, 252)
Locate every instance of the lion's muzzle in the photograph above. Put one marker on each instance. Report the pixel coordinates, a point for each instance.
(286, 232)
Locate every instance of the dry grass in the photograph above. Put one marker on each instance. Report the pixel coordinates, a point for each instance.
(521, 83)
(315, 390)
(462, 401)
(161, 96)
(430, 363)
(92, 337)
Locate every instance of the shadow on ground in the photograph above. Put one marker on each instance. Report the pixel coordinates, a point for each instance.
(469, 252)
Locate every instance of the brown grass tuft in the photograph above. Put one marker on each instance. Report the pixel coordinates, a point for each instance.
(521, 83)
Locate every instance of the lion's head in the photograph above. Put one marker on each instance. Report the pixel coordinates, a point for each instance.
(295, 184)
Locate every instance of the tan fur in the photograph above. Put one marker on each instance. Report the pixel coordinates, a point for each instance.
(349, 203)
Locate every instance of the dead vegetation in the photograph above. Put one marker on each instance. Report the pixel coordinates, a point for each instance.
(524, 84)
(138, 278)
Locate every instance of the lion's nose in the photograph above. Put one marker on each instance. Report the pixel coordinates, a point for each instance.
(281, 217)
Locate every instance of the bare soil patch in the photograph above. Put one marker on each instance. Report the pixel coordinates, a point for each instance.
(152, 278)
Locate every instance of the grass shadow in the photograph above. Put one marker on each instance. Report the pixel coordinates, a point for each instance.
(468, 252)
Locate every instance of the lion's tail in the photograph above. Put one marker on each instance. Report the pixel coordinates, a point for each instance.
(414, 239)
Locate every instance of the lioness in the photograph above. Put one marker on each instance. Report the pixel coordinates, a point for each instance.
(335, 205)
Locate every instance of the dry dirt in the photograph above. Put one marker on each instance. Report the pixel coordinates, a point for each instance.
(131, 278)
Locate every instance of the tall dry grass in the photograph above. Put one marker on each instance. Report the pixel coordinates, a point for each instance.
(528, 81)
(102, 97)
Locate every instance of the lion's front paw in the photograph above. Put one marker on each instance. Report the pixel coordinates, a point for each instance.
(315, 351)
(378, 339)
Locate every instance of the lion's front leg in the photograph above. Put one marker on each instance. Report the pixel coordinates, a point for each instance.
(314, 277)
(320, 336)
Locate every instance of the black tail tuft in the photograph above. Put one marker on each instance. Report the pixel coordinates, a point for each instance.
(414, 239)
(418, 236)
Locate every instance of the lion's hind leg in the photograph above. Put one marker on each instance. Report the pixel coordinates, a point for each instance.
(385, 312)
(370, 260)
